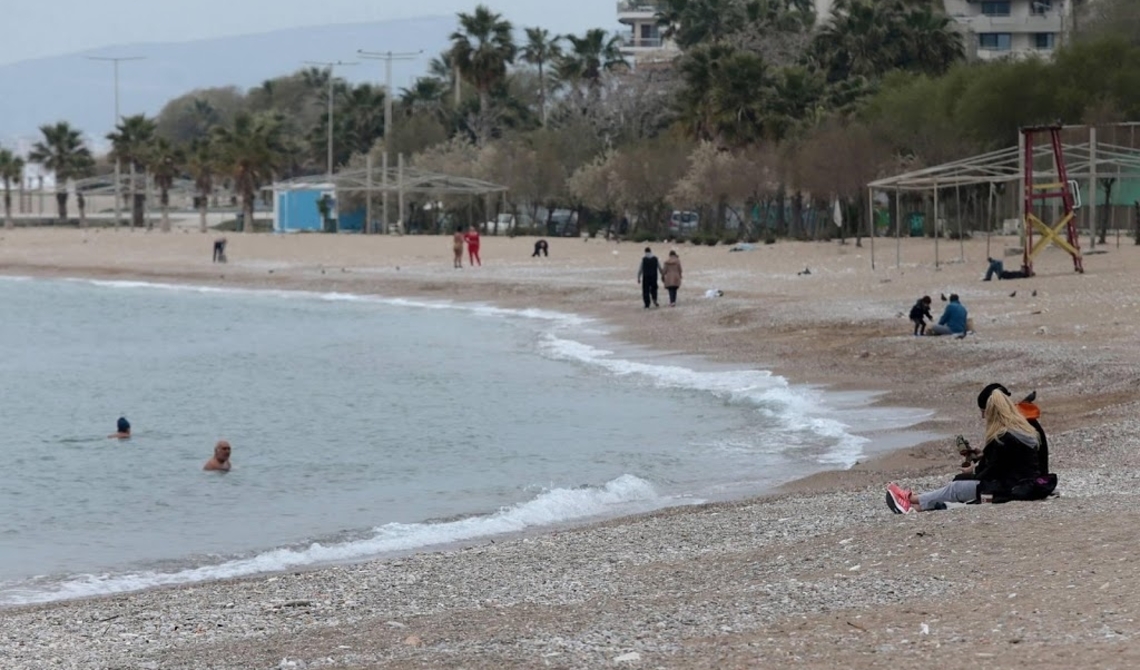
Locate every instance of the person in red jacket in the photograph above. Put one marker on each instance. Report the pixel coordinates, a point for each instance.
(472, 238)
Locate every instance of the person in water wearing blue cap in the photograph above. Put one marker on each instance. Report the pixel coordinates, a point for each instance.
(123, 429)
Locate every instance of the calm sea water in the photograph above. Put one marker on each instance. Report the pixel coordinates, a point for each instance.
(360, 427)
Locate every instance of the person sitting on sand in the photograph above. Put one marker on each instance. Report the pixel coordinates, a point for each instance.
(221, 459)
(996, 267)
(1032, 413)
(1009, 469)
(953, 320)
(920, 314)
(122, 429)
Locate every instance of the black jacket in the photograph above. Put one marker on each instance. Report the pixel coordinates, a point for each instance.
(650, 269)
(919, 311)
(1009, 469)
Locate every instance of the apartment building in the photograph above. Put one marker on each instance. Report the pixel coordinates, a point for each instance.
(1011, 28)
(990, 28)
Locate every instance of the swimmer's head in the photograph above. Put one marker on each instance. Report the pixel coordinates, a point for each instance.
(222, 451)
(123, 425)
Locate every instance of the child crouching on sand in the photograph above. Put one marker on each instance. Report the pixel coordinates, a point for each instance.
(920, 313)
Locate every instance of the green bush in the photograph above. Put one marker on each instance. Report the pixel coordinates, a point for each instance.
(711, 240)
(697, 239)
(730, 239)
(644, 236)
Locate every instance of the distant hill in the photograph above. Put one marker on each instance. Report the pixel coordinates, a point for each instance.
(81, 91)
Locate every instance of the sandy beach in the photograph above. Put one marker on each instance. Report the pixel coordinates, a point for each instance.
(820, 575)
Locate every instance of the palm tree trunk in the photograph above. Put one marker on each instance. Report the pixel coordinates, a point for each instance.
(81, 204)
(247, 210)
(542, 92)
(202, 212)
(61, 203)
(136, 210)
(9, 224)
(164, 199)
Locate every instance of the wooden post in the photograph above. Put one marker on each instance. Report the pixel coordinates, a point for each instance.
(898, 227)
(937, 231)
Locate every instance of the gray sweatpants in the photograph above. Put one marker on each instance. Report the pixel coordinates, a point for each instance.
(958, 492)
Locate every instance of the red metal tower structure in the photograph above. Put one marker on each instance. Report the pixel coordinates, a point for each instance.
(1046, 191)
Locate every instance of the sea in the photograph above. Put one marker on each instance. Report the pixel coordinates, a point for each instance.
(362, 427)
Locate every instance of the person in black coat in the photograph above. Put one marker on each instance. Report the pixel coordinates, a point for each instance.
(920, 314)
(647, 275)
(1010, 467)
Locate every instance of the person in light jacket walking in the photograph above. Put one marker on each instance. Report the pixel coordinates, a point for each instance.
(671, 276)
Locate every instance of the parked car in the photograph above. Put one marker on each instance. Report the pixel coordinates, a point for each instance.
(684, 223)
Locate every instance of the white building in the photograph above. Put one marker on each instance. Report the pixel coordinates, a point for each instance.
(1003, 28)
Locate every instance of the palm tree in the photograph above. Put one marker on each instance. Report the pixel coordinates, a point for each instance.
(541, 48)
(62, 151)
(200, 165)
(130, 143)
(11, 170)
(164, 161)
(481, 50)
(362, 109)
(590, 56)
(250, 152)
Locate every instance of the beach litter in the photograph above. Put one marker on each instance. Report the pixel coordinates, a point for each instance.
(628, 658)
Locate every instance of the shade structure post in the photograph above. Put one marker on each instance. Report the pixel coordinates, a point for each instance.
(400, 190)
(937, 231)
(871, 221)
(898, 228)
(384, 192)
(367, 228)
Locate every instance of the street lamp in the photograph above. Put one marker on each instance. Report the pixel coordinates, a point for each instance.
(329, 65)
(118, 163)
(388, 57)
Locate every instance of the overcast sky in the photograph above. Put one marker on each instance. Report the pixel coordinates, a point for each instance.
(35, 28)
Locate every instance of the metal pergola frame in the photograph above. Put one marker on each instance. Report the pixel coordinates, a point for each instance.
(401, 181)
(1086, 162)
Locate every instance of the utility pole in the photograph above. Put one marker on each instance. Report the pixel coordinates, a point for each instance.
(389, 94)
(329, 65)
(118, 163)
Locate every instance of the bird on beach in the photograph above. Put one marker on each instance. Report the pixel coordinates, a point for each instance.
(1034, 294)
(805, 271)
(1013, 295)
(943, 297)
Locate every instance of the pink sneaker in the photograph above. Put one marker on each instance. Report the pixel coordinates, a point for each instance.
(898, 499)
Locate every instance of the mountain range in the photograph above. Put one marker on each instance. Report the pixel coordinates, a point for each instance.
(76, 89)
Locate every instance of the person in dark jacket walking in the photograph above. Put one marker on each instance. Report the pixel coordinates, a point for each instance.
(647, 277)
(1009, 469)
(920, 314)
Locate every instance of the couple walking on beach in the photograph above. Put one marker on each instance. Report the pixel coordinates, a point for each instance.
(471, 237)
(670, 273)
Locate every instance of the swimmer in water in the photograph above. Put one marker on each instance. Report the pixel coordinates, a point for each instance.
(221, 459)
(123, 429)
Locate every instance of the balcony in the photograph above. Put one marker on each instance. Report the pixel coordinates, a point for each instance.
(631, 43)
(1038, 23)
(631, 11)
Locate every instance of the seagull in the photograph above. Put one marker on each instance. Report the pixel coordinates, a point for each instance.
(1031, 397)
(1013, 295)
(943, 297)
(1034, 294)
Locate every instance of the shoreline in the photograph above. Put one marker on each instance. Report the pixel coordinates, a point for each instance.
(818, 574)
(899, 437)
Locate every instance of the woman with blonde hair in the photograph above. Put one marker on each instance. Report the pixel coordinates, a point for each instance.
(1009, 469)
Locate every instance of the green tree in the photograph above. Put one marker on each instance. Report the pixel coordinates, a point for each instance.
(482, 49)
(63, 152)
(726, 99)
(130, 144)
(250, 152)
(201, 165)
(11, 171)
(164, 162)
(590, 57)
(541, 49)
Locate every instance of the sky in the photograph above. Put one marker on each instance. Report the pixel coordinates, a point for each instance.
(41, 29)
